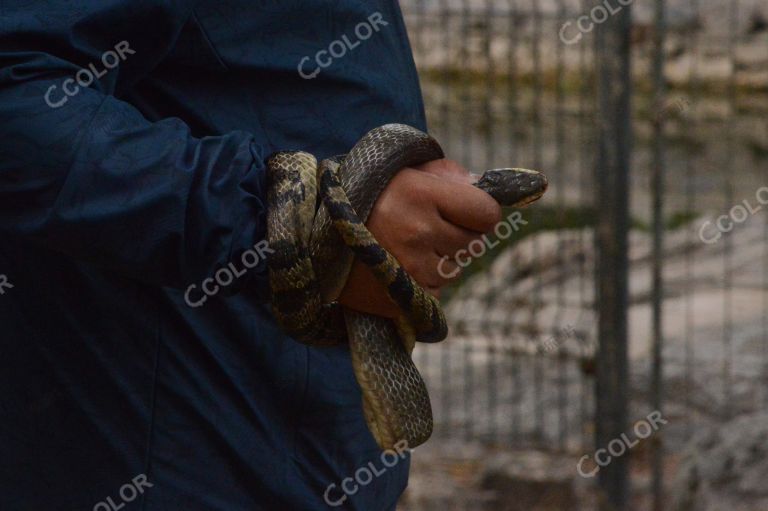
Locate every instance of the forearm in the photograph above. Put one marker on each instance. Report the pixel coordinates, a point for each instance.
(92, 178)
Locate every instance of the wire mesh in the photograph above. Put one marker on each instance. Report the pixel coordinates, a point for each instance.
(503, 88)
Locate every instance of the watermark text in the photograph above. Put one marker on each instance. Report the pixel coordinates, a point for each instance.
(339, 48)
(711, 232)
(480, 247)
(85, 77)
(127, 494)
(364, 476)
(618, 447)
(224, 277)
(4, 284)
(573, 31)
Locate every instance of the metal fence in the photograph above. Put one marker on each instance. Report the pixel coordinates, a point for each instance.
(522, 83)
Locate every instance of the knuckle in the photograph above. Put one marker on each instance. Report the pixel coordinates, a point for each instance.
(414, 183)
(455, 166)
(417, 234)
(413, 189)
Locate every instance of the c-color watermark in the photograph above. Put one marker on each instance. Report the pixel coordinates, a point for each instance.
(339, 48)
(478, 248)
(669, 109)
(128, 493)
(561, 335)
(617, 447)
(597, 16)
(4, 284)
(85, 77)
(365, 475)
(224, 277)
(737, 215)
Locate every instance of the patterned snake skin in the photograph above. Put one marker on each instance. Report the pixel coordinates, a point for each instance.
(315, 226)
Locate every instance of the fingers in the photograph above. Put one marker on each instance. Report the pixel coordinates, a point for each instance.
(364, 293)
(458, 201)
(466, 206)
(436, 271)
(424, 217)
(451, 238)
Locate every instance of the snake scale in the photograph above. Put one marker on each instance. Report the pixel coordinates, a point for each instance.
(315, 228)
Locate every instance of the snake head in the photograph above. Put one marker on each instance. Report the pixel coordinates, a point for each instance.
(513, 187)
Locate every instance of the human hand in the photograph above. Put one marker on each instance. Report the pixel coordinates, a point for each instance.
(424, 214)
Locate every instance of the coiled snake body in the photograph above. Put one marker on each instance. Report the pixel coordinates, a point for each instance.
(315, 227)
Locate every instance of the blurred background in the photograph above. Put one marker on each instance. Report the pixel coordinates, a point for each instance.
(648, 128)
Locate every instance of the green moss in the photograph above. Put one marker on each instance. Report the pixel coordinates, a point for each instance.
(680, 219)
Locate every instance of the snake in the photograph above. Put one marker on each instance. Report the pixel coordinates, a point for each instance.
(316, 214)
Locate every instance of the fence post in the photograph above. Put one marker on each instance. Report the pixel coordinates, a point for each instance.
(614, 131)
(657, 191)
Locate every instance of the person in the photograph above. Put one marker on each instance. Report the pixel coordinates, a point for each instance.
(140, 365)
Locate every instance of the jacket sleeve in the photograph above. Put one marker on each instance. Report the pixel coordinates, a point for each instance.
(91, 177)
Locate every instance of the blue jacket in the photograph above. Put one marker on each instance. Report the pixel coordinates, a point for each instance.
(140, 366)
